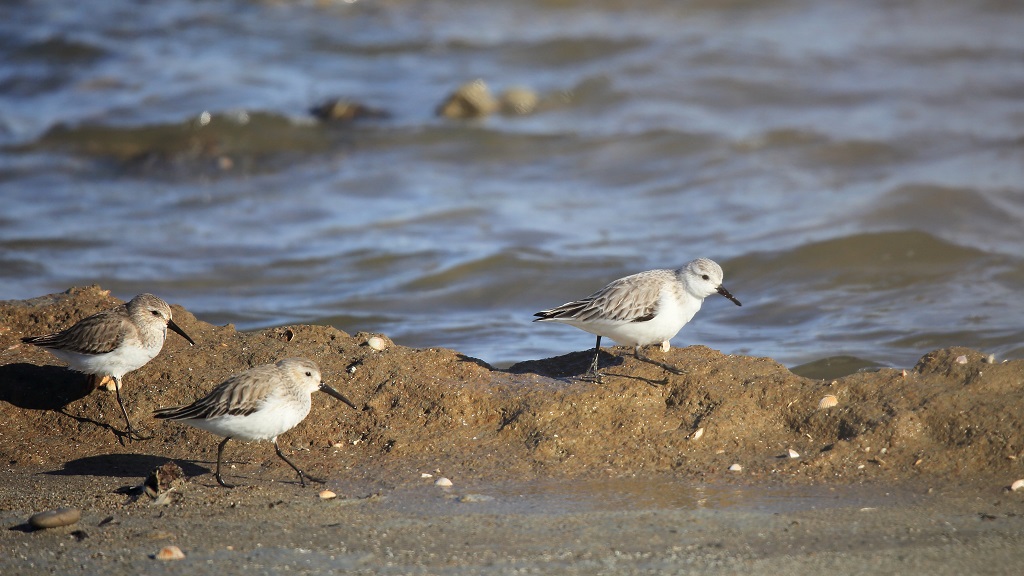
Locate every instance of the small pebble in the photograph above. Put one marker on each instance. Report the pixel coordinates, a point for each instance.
(735, 468)
(55, 518)
(474, 498)
(471, 100)
(169, 553)
(443, 482)
(327, 495)
(1017, 485)
(426, 475)
(518, 101)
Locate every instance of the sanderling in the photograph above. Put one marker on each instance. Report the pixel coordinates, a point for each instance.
(114, 342)
(646, 308)
(258, 404)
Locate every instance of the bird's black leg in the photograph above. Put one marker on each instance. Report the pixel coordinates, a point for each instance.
(131, 433)
(220, 452)
(302, 475)
(592, 374)
(669, 367)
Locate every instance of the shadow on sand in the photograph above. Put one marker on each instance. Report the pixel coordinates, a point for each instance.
(41, 387)
(123, 465)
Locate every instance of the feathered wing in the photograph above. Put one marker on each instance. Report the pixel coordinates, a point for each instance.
(630, 299)
(95, 334)
(240, 395)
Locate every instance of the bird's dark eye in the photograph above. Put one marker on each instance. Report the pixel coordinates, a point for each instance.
(706, 277)
(155, 312)
(310, 374)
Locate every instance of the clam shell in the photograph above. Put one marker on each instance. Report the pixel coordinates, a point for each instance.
(376, 343)
(443, 482)
(735, 468)
(828, 402)
(697, 433)
(327, 495)
(170, 553)
(1017, 485)
(792, 453)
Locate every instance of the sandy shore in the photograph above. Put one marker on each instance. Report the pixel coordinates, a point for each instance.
(907, 474)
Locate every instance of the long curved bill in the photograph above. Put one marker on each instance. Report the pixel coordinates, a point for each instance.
(724, 292)
(173, 326)
(336, 394)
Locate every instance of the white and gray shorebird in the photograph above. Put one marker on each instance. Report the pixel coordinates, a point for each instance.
(646, 308)
(114, 342)
(258, 404)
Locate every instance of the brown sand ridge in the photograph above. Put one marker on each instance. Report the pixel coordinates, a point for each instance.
(953, 417)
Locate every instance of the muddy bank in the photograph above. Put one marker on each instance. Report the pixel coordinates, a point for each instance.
(905, 474)
(952, 417)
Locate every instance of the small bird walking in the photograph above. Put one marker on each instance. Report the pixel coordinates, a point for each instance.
(114, 342)
(646, 308)
(258, 404)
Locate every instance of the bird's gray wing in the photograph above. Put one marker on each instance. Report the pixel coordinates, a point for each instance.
(96, 334)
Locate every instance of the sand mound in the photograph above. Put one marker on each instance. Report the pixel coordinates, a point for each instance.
(954, 416)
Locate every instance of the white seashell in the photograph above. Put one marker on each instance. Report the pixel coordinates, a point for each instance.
(443, 482)
(962, 359)
(735, 468)
(697, 433)
(169, 553)
(828, 402)
(1017, 485)
(327, 495)
(377, 343)
(426, 475)
(793, 453)
(991, 359)
(666, 346)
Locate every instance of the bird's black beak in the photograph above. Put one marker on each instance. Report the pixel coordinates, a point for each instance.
(336, 394)
(724, 292)
(173, 326)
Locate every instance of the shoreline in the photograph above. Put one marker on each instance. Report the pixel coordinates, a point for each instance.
(528, 449)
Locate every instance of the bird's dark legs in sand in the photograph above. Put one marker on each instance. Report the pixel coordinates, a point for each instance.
(131, 433)
(220, 452)
(592, 375)
(302, 475)
(640, 356)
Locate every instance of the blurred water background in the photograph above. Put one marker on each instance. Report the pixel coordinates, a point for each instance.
(856, 167)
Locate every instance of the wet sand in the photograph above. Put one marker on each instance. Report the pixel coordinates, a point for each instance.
(551, 475)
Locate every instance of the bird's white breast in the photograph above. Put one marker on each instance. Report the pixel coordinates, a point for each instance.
(130, 355)
(277, 415)
(675, 309)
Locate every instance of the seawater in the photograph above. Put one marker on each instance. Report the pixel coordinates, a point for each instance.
(856, 168)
